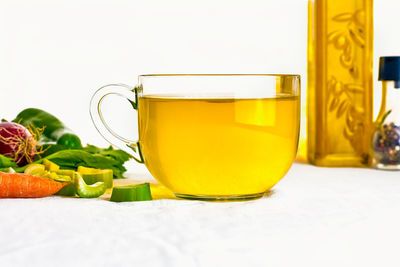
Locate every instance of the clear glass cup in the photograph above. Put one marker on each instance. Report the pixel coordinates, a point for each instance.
(210, 137)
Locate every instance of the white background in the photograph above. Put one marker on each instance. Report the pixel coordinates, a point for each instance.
(55, 54)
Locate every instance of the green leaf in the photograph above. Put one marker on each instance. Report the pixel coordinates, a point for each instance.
(71, 159)
(41, 119)
(51, 149)
(116, 154)
(53, 129)
(384, 117)
(6, 162)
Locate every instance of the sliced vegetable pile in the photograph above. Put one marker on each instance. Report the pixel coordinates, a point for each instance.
(35, 135)
(13, 185)
(40, 180)
(40, 156)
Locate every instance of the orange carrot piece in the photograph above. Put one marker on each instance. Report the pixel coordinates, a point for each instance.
(18, 185)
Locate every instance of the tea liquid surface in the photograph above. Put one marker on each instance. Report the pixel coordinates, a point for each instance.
(220, 146)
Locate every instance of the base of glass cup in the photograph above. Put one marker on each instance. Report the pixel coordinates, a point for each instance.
(388, 167)
(221, 198)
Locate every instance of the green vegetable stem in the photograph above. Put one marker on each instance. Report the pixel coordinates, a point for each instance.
(139, 192)
(88, 191)
(6, 162)
(54, 129)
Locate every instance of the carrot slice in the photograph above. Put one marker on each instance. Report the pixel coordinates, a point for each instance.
(18, 185)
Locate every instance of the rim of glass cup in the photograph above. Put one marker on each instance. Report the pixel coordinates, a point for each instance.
(259, 74)
(175, 92)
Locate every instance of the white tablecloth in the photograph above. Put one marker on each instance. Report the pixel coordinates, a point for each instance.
(315, 217)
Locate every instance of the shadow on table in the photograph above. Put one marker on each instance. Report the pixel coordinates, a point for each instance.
(158, 191)
(269, 193)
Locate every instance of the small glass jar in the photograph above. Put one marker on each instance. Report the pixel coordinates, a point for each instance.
(386, 135)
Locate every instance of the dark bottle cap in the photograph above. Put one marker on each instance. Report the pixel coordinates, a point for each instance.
(389, 70)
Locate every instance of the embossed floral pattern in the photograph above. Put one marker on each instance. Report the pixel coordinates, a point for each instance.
(346, 40)
(342, 96)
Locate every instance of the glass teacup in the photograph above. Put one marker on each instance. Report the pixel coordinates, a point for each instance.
(211, 137)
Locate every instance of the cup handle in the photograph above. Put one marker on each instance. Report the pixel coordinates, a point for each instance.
(128, 92)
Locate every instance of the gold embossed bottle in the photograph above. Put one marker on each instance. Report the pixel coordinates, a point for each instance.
(339, 89)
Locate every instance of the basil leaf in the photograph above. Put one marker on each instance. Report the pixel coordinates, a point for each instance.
(53, 129)
(71, 159)
(116, 154)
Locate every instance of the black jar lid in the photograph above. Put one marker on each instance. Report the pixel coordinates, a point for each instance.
(389, 69)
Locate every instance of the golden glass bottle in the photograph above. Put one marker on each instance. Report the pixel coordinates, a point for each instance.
(339, 89)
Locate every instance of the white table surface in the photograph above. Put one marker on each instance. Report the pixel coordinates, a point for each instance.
(315, 217)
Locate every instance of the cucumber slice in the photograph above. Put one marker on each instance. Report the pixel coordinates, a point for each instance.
(70, 173)
(86, 170)
(40, 170)
(90, 178)
(107, 177)
(68, 190)
(143, 192)
(92, 175)
(88, 191)
(50, 166)
(61, 178)
(123, 194)
(140, 192)
(35, 169)
(50, 175)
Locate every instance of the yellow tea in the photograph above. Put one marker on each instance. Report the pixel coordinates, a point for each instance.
(218, 146)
